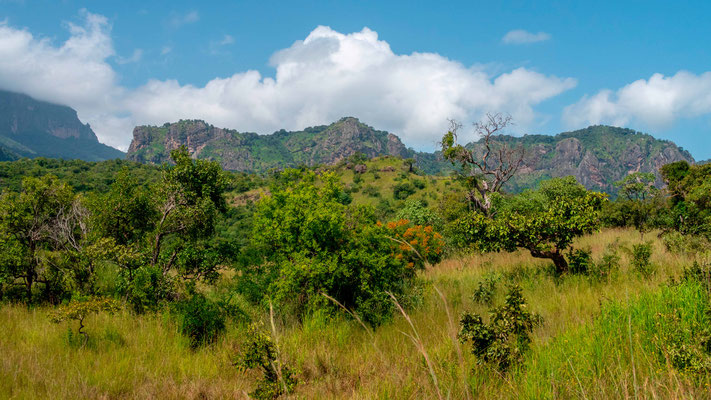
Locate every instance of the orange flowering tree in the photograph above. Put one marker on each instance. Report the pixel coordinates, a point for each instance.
(415, 244)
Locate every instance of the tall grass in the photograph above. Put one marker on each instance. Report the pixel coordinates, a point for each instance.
(595, 342)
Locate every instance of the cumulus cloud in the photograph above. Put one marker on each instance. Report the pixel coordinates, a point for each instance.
(656, 103)
(520, 36)
(326, 76)
(75, 73)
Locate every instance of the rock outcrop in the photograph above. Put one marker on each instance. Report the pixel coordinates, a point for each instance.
(239, 151)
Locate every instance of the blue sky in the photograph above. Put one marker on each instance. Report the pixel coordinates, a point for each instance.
(261, 66)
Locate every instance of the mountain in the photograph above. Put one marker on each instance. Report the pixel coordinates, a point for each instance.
(32, 128)
(326, 144)
(597, 156)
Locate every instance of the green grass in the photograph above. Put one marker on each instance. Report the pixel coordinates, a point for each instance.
(598, 340)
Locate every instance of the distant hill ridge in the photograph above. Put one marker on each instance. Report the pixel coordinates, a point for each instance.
(33, 128)
(597, 156)
(247, 151)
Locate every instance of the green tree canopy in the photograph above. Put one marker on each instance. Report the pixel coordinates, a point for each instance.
(545, 221)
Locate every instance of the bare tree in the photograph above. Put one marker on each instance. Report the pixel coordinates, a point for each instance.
(487, 172)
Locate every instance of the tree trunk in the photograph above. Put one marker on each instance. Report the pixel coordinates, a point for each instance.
(561, 264)
(28, 287)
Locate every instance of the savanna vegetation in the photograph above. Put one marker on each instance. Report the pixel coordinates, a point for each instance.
(366, 279)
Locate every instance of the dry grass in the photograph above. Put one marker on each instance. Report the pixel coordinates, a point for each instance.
(335, 357)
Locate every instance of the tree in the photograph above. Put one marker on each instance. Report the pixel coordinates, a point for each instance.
(409, 163)
(484, 174)
(126, 213)
(544, 222)
(190, 198)
(640, 199)
(689, 188)
(637, 186)
(310, 243)
(79, 310)
(45, 217)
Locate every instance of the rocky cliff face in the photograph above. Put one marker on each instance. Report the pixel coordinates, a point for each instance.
(21, 114)
(597, 156)
(32, 128)
(257, 153)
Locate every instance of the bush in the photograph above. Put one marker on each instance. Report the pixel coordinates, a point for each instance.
(311, 244)
(371, 191)
(148, 289)
(504, 341)
(486, 288)
(260, 352)
(414, 244)
(580, 261)
(678, 243)
(401, 191)
(416, 212)
(419, 183)
(201, 320)
(608, 264)
(79, 310)
(641, 254)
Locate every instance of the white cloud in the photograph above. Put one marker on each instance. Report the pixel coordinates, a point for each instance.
(178, 20)
(326, 76)
(75, 73)
(656, 103)
(165, 50)
(135, 57)
(520, 36)
(227, 39)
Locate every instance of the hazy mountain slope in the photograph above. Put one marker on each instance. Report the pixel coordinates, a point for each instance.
(32, 128)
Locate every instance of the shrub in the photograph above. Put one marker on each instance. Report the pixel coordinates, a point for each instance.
(202, 321)
(486, 288)
(260, 352)
(310, 244)
(676, 242)
(401, 191)
(698, 272)
(148, 289)
(641, 254)
(580, 261)
(416, 212)
(371, 191)
(357, 178)
(608, 264)
(79, 310)
(415, 244)
(504, 341)
(419, 183)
